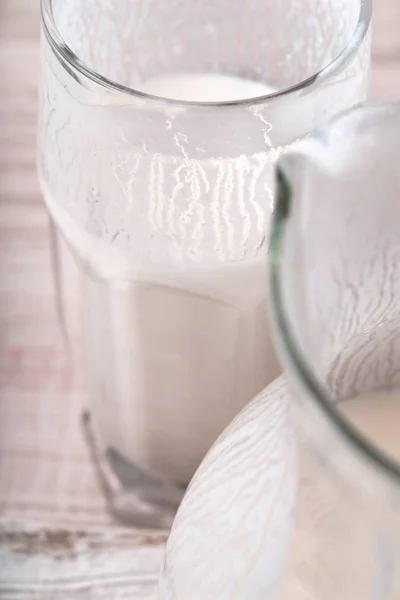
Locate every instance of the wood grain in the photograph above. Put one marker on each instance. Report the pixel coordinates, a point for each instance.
(34, 368)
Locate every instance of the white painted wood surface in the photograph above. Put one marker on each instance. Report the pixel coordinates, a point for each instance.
(74, 543)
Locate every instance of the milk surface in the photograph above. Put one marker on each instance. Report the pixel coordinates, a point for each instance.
(377, 417)
(205, 87)
(172, 354)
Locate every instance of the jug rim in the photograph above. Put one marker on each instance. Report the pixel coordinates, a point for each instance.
(68, 59)
(315, 390)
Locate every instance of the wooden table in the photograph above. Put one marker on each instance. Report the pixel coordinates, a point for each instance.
(33, 367)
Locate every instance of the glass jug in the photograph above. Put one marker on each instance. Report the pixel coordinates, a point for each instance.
(300, 496)
(335, 288)
(160, 202)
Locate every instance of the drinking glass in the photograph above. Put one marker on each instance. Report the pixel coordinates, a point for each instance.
(335, 281)
(160, 126)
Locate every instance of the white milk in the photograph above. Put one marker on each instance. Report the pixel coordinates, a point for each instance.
(205, 87)
(172, 355)
(377, 416)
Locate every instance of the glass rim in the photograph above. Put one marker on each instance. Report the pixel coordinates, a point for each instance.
(316, 392)
(67, 57)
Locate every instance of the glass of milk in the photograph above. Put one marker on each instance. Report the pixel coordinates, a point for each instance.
(335, 276)
(160, 126)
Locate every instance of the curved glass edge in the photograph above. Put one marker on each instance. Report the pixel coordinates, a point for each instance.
(288, 344)
(70, 61)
